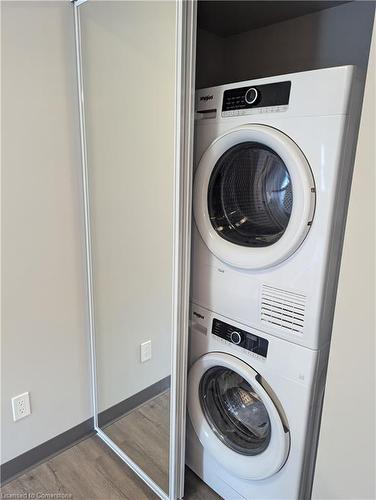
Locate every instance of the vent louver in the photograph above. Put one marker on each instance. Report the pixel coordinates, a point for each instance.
(283, 309)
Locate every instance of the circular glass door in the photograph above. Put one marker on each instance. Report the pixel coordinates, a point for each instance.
(235, 419)
(250, 195)
(234, 411)
(254, 197)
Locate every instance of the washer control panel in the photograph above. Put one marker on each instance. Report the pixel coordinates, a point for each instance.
(239, 337)
(242, 101)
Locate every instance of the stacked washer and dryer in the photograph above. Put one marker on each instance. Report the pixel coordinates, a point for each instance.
(273, 165)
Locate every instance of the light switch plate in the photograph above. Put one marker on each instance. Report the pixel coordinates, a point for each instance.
(145, 351)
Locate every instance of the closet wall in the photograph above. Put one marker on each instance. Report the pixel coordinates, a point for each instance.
(210, 59)
(331, 37)
(346, 461)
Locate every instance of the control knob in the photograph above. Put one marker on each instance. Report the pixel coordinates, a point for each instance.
(251, 95)
(236, 338)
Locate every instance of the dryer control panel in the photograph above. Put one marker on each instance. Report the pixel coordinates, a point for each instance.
(242, 101)
(239, 337)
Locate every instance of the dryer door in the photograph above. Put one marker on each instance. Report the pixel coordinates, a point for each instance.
(254, 197)
(234, 417)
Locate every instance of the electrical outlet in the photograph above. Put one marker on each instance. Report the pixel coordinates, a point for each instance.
(145, 351)
(21, 406)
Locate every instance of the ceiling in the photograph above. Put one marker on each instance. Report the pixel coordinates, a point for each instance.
(225, 18)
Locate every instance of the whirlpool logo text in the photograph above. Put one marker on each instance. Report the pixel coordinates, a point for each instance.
(206, 98)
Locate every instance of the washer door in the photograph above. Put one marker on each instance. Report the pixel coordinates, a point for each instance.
(254, 197)
(234, 418)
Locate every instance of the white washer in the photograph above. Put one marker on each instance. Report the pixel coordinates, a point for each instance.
(254, 403)
(273, 161)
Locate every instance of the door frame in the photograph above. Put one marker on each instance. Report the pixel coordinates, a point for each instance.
(185, 58)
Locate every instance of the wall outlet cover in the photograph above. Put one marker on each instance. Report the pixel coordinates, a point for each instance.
(21, 406)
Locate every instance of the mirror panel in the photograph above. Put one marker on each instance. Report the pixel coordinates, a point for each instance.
(128, 66)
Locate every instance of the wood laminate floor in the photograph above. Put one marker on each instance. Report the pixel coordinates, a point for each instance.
(89, 470)
(143, 434)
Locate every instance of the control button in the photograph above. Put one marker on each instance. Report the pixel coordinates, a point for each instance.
(251, 95)
(236, 338)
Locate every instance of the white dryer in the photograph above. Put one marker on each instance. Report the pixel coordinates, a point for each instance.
(273, 160)
(254, 403)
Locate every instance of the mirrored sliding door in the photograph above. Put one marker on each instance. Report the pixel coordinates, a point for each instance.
(135, 195)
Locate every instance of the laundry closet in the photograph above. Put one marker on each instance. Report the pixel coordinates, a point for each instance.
(279, 89)
(176, 186)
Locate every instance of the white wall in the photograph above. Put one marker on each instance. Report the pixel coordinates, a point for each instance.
(345, 467)
(44, 325)
(331, 37)
(44, 340)
(129, 72)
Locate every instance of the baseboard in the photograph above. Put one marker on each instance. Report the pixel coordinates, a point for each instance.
(120, 409)
(33, 457)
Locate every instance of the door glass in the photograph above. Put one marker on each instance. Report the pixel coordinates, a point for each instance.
(234, 411)
(250, 195)
(128, 62)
